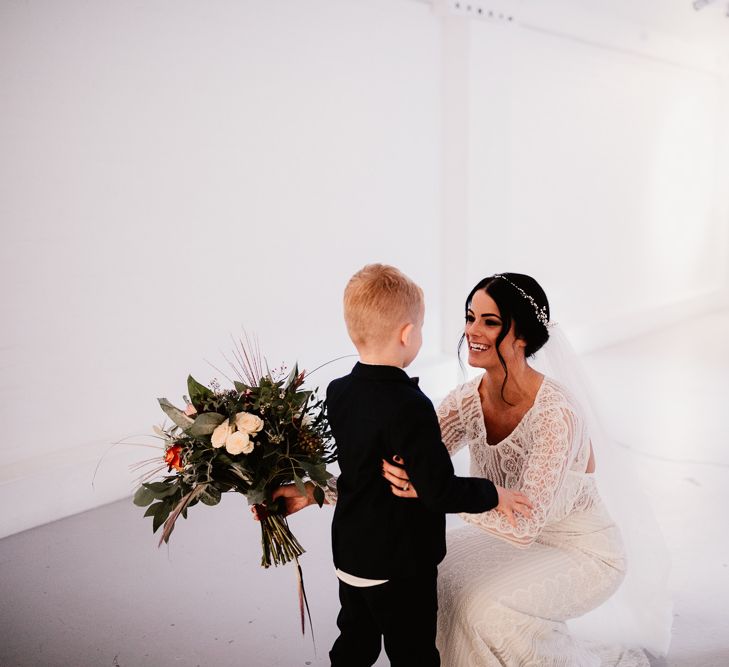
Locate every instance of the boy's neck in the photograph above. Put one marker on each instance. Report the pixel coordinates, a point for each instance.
(375, 359)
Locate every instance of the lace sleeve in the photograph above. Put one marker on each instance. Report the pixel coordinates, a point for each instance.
(451, 424)
(551, 437)
(330, 491)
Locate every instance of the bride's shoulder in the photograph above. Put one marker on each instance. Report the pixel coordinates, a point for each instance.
(462, 393)
(469, 388)
(555, 394)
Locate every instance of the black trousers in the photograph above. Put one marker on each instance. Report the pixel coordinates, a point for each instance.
(403, 611)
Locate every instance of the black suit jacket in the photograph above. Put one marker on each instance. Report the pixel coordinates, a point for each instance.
(376, 412)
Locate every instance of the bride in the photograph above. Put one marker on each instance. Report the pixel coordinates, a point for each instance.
(506, 589)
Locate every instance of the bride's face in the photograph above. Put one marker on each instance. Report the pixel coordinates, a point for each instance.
(483, 326)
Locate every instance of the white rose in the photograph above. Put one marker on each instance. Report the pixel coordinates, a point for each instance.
(251, 424)
(221, 433)
(239, 443)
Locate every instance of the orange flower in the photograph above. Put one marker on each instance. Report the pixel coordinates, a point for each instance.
(173, 457)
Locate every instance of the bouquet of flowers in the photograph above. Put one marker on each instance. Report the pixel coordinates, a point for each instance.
(263, 432)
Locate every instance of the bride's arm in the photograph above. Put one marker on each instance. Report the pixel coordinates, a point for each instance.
(330, 491)
(453, 432)
(552, 432)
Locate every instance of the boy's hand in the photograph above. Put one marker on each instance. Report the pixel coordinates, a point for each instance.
(293, 499)
(513, 501)
(399, 481)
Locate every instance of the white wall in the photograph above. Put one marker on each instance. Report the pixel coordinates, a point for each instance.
(173, 171)
(596, 161)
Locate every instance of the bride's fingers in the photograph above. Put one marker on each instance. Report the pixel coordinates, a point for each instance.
(410, 493)
(510, 516)
(395, 481)
(521, 498)
(394, 472)
(524, 511)
(395, 469)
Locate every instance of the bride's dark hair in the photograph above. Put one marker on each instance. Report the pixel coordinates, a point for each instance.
(514, 307)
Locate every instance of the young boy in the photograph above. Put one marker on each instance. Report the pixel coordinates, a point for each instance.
(387, 549)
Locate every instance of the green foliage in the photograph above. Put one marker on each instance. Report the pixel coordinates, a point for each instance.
(199, 394)
(292, 376)
(317, 472)
(179, 418)
(319, 495)
(211, 495)
(143, 497)
(294, 444)
(159, 519)
(205, 423)
(300, 485)
(154, 508)
(161, 489)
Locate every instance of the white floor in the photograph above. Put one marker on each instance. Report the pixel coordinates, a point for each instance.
(666, 397)
(94, 590)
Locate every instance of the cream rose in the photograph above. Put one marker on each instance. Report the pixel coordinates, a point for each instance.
(250, 423)
(238, 443)
(221, 434)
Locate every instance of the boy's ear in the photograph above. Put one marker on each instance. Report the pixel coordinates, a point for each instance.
(406, 332)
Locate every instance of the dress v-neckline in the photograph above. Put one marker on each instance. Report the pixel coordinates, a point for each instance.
(521, 421)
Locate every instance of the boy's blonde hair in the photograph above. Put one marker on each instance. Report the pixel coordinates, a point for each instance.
(377, 300)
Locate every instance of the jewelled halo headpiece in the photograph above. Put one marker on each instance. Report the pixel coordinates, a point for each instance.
(540, 311)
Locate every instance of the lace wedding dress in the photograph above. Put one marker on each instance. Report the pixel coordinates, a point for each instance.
(505, 593)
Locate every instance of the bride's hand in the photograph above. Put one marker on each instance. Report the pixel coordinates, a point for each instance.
(293, 499)
(399, 481)
(513, 501)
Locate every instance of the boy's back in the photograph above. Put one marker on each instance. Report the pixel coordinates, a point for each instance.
(376, 412)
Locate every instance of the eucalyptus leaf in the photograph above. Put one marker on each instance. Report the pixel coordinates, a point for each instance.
(156, 487)
(160, 489)
(211, 495)
(292, 376)
(317, 473)
(319, 495)
(154, 508)
(175, 414)
(143, 497)
(205, 423)
(199, 393)
(301, 397)
(242, 472)
(256, 496)
(240, 387)
(300, 484)
(158, 520)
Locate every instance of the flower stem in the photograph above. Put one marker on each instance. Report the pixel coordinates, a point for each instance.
(277, 541)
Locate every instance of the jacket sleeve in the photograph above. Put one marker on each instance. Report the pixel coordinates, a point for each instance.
(415, 436)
